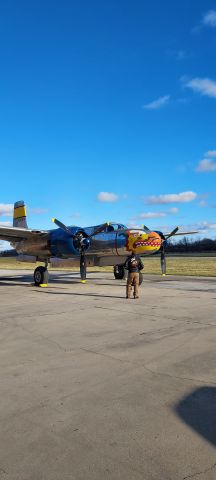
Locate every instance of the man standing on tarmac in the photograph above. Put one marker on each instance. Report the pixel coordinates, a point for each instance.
(133, 264)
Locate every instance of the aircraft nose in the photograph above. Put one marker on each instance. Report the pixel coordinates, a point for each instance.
(141, 242)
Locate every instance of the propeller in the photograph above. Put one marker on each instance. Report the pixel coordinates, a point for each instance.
(163, 253)
(82, 241)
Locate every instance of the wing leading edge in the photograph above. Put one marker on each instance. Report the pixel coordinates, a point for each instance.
(11, 234)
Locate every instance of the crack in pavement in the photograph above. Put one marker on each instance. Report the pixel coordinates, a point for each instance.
(200, 473)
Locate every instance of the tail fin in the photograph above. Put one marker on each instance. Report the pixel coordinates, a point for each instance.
(19, 215)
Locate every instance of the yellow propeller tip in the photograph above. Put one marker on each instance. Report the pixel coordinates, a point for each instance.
(53, 219)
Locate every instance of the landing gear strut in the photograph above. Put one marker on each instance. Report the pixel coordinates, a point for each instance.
(41, 275)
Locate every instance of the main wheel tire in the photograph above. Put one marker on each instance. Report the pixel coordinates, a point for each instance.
(119, 272)
(140, 278)
(40, 276)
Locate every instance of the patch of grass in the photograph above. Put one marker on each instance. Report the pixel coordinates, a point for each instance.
(200, 266)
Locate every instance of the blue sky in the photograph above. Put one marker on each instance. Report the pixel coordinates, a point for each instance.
(108, 112)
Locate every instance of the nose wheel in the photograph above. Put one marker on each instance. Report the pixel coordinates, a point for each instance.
(41, 276)
(119, 272)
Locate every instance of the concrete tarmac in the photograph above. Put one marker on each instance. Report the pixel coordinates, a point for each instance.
(95, 387)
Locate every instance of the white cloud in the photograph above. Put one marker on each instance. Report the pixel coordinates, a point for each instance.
(6, 209)
(204, 86)
(158, 214)
(210, 153)
(152, 215)
(206, 165)
(158, 103)
(209, 19)
(202, 227)
(3, 245)
(5, 224)
(107, 197)
(183, 197)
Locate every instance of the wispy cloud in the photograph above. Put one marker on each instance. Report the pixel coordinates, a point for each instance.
(107, 197)
(202, 227)
(75, 215)
(203, 203)
(37, 211)
(158, 103)
(4, 246)
(182, 197)
(152, 215)
(210, 153)
(178, 54)
(171, 211)
(209, 19)
(6, 209)
(5, 224)
(204, 86)
(206, 165)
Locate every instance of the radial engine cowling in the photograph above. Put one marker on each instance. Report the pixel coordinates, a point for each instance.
(62, 245)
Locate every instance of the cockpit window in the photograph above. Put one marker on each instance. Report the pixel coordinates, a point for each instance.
(115, 226)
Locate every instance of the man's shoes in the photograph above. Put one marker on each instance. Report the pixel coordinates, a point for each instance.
(128, 297)
(136, 296)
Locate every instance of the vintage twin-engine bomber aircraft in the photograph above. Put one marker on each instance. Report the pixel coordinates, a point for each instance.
(101, 245)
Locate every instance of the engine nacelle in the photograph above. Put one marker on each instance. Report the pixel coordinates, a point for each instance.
(63, 246)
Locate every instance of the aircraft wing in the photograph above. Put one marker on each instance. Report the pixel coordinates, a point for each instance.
(14, 234)
(179, 233)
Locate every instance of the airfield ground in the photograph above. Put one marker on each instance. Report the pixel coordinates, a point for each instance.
(200, 265)
(94, 386)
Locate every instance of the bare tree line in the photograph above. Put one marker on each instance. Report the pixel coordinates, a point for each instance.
(186, 245)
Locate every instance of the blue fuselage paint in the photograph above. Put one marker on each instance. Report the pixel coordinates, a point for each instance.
(61, 244)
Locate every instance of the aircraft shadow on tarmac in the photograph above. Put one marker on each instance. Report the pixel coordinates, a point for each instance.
(80, 294)
(198, 411)
(57, 278)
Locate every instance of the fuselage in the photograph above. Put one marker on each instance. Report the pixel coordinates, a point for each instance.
(117, 241)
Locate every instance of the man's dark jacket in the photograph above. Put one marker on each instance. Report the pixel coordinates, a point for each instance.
(133, 264)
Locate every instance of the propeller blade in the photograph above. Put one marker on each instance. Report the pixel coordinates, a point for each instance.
(83, 266)
(172, 233)
(144, 227)
(163, 260)
(99, 229)
(62, 226)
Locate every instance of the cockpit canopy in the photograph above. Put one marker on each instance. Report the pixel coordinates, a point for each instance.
(112, 227)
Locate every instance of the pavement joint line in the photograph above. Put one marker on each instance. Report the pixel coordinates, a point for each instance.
(200, 473)
(194, 380)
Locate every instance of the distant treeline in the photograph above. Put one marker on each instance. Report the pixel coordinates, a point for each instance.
(185, 245)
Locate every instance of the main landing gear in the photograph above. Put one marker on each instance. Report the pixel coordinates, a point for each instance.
(41, 276)
(120, 273)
